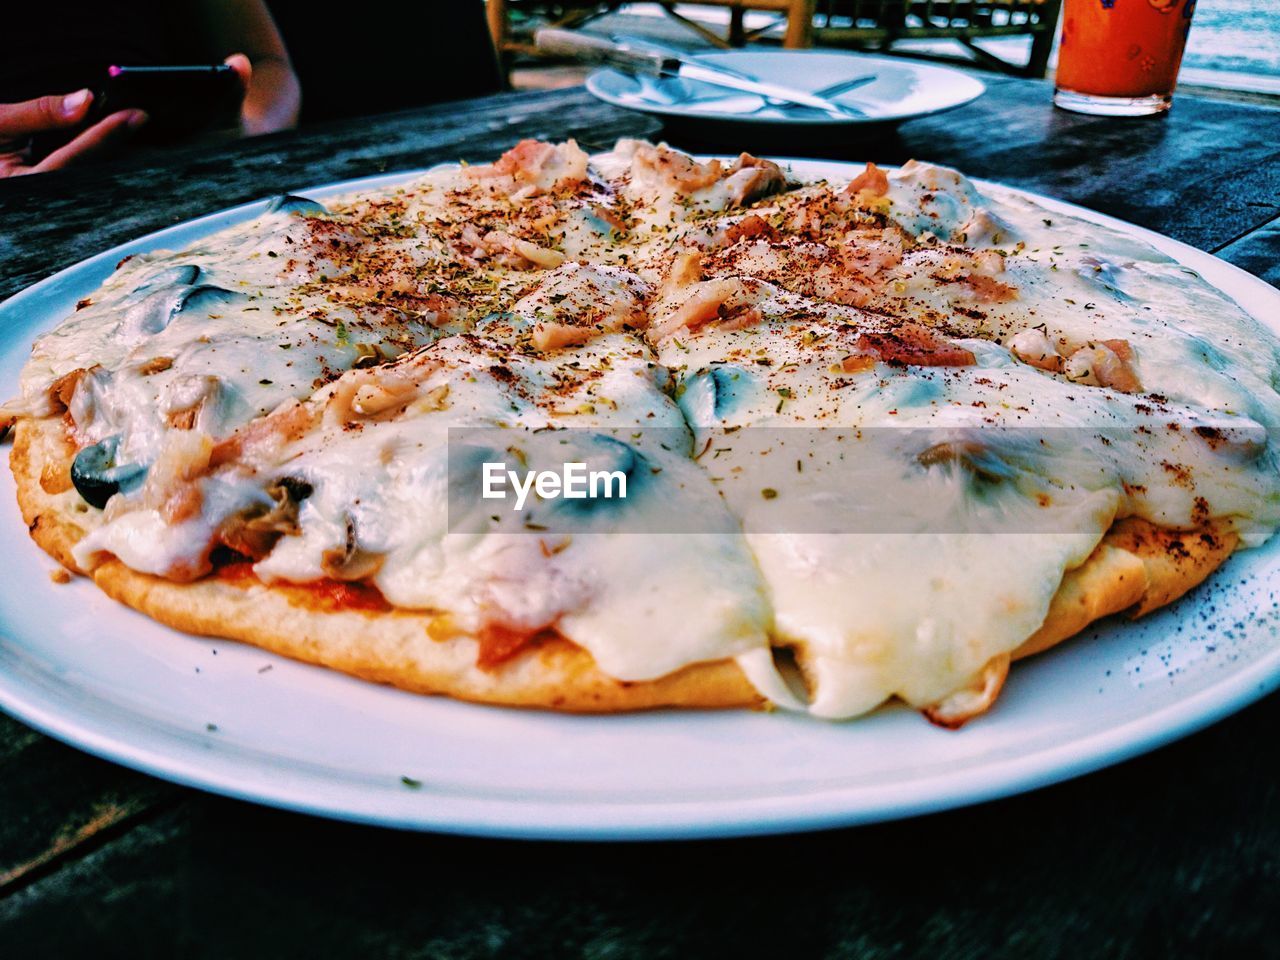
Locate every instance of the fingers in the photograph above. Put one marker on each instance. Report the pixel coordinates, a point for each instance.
(243, 68)
(101, 136)
(43, 113)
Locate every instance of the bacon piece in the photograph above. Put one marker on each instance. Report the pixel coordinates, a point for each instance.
(1032, 347)
(1105, 363)
(667, 167)
(915, 345)
(729, 299)
(183, 419)
(578, 329)
(366, 394)
(1114, 370)
(855, 363)
(989, 289)
(552, 335)
(155, 365)
(260, 437)
(987, 262)
(746, 179)
(183, 504)
(371, 399)
(63, 389)
(535, 166)
(750, 178)
(185, 399)
(851, 272)
(983, 227)
(749, 227)
(686, 269)
(872, 254)
(872, 181)
(470, 243)
(525, 159)
(1120, 348)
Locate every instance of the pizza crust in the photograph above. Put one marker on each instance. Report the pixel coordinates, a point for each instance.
(1137, 568)
(42, 450)
(397, 648)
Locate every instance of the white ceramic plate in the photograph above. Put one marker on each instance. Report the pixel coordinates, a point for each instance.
(902, 88)
(235, 720)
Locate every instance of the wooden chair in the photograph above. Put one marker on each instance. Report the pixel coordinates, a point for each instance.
(576, 13)
(798, 13)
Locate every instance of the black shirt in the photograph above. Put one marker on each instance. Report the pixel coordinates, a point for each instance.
(54, 47)
(376, 56)
(367, 57)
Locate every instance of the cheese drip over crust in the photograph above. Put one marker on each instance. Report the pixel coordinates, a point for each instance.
(894, 412)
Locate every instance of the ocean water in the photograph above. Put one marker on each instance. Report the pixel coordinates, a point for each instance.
(1237, 35)
(1240, 37)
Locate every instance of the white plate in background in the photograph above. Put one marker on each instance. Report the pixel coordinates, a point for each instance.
(902, 89)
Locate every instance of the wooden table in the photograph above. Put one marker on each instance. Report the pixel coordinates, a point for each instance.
(1173, 854)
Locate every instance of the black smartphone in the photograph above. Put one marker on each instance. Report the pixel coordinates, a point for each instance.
(180, 100)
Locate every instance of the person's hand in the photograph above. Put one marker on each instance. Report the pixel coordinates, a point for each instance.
(20, 121)
(271, 94)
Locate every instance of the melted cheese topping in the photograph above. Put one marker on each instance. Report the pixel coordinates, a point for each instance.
(875, 424)
(613, 592)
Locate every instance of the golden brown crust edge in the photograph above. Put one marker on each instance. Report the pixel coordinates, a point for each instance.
(396, 648)
(1138, 567)
(37, 446)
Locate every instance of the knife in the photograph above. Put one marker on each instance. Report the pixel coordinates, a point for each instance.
(682, 53)
(652, 63)
(837, 89)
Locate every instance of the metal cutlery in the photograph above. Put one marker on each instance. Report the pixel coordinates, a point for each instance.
(656, 63)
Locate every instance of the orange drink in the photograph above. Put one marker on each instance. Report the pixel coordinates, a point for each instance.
(1121, 57)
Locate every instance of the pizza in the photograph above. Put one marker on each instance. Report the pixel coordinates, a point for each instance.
(634, 430)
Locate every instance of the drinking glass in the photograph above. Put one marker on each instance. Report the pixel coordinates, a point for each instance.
(1120, 58)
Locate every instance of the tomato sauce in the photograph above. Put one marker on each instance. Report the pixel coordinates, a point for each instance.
(340, 594)
(498, 643)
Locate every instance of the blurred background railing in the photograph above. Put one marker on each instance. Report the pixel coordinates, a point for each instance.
(858, 24)
(878, 24)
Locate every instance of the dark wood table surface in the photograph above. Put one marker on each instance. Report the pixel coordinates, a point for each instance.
(1173, 854)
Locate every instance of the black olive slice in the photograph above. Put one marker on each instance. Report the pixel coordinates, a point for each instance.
(97, 477)
(288, 203)
(206, 297)
(185, 275)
